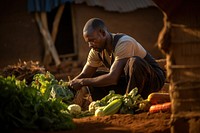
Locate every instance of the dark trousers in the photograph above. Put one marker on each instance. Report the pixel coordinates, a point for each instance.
(147, 77)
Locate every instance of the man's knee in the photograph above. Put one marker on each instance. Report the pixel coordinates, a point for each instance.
(133, 62)
(134, 59)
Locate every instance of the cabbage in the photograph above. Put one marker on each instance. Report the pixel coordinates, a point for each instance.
(74, 109)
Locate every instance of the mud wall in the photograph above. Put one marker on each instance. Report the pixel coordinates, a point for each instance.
(143, 24)
(19, 35)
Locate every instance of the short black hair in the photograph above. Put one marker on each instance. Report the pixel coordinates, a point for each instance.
(95, 23)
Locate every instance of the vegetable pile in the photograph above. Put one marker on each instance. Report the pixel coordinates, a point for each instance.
(156, 102)
(41, 105)
(116, 103)
(130, 103)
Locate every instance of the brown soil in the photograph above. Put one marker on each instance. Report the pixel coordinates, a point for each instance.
(140, 123)
(120, 123)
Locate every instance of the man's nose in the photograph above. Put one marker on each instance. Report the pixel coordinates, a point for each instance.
(91, 44)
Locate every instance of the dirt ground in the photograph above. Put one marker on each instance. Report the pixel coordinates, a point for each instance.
(139, 123)
(119, 123)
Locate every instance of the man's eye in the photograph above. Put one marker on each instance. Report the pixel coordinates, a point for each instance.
(92, 41)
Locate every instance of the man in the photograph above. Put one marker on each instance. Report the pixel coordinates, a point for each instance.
(129, 64)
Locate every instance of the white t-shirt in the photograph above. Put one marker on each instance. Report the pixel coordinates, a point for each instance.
(126, 47)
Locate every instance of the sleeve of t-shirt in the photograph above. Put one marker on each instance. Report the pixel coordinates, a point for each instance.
(124, 50)
(93, 59)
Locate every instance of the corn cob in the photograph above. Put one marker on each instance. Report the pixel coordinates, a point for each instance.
(113, 107)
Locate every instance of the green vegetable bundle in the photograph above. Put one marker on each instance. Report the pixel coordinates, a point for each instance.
(24, 106)
(116, 103)
(52, 88)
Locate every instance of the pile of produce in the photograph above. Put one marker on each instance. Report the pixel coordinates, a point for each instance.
(41, 105)
(32, 98)
(160, 102)
(130, 103)
(117, 103)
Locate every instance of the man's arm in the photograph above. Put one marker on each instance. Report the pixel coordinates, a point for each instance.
(87, 72)
(107, 79)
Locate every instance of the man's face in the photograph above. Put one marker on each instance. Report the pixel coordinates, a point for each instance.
(96, 40)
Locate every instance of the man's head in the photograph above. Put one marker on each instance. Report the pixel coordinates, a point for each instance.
(94, 33)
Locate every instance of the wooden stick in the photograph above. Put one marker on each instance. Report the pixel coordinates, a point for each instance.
(57, 21)
(48, 39)
(47, 55)
(69, 78)
(44, 20)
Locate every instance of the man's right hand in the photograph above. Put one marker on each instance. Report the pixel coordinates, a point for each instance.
(76, 84)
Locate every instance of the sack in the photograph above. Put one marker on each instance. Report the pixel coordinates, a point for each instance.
(83, 98)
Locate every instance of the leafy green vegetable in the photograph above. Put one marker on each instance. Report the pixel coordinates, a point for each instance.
(130, 102)
(110, 97)
(52, 88)
(24, 106)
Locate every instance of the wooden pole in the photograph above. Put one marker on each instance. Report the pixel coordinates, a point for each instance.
(45, 32)
(47, 56)
(56, 22)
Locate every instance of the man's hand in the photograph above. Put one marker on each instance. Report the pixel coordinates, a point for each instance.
(76, 84)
